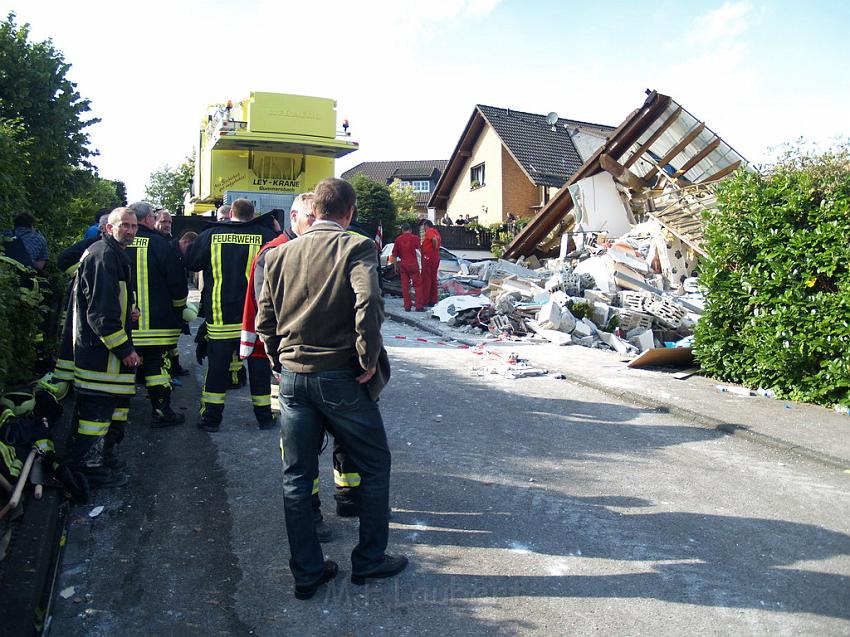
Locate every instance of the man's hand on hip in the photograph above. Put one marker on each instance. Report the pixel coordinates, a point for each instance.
(365, 376)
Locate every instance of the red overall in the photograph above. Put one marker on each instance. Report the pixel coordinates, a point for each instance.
(430, 265)
(404, 250)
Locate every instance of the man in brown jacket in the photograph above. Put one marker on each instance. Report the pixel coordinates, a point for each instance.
(320, 313)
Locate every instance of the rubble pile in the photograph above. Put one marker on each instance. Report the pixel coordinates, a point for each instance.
(630, 294)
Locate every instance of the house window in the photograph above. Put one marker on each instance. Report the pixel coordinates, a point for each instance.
(476, 176)
(421, 186)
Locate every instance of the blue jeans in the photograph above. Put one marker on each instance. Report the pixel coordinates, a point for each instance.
(333, 399)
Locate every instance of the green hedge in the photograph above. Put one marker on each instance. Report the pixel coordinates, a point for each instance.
(777, 280)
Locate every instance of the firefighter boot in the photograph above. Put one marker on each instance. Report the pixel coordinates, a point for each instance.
(163, 414)
(111, 441)
(87, 457)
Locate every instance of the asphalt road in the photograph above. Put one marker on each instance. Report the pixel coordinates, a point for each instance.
(528, 507)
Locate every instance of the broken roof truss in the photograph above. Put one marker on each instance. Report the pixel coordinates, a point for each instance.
(664, 156)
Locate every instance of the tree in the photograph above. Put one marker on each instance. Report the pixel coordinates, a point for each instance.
(777, 279)
(403, 197)
(167, 185)
(36, 95)
(120, 193)
(374, 203)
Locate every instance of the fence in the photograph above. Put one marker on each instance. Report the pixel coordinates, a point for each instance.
(460, 238)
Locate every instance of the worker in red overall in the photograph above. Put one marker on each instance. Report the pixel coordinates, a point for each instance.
(407, 265)
(430, 262)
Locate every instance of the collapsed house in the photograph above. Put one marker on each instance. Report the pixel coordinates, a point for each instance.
(610, 260)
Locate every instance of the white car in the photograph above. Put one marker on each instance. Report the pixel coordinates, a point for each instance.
(449, 261)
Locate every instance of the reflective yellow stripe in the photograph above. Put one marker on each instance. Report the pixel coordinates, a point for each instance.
(218, 317)
(212, 398)
(165, 336)
(44, 445)
(142, 292)
(178, 302)
(252, 252)
(115, 339)
(158, 380)
(121, 413)
(92, 428)
(223, 332)
(123, 390)
(261, 401)
(346, 479)
(315, 486)
(105, 376)
(64, 370)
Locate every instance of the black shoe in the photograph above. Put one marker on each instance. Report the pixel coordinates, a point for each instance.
(208, 425)
(392, 565)
(324, 532)
(166, 417)
(347, 509)
(268, 424)
(306, 592)
(103, 477)
(113, 462)
(420, 309)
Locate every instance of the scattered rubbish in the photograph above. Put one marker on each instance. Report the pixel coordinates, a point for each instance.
(65, 593)
(842, 409)
(560, 377)
(738, 391)
(767, 393)
(524, 372)
(96, 511)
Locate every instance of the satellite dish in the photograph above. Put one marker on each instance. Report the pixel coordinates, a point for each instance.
(552, 118)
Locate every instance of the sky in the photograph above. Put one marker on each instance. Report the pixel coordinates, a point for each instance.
(407, 75)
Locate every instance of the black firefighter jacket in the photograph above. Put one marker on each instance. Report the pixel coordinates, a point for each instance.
(102, 295)
(224, 254)
(160, 284)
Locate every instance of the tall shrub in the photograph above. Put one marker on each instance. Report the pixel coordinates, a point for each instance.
(778, 279)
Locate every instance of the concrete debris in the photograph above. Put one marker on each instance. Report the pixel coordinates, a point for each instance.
(614, 285)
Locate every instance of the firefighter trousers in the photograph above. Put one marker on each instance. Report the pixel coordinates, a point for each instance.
(220, 355)
(346, 481)
(99, 423)
(155, 371)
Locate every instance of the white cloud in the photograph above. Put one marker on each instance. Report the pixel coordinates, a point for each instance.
(725, 23)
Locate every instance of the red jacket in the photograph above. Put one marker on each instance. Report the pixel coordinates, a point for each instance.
(429, 251)
(405, 247)
(249, 344)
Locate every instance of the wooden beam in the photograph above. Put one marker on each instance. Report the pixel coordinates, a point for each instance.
(693, 161)
(620, 173)
(723, 172)
(626, 134)
(464, 153)
(678, 148)
(653, 138)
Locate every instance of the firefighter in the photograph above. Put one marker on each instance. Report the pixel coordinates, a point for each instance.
(405, 251)
(161, 293)
(104, 356)
(224, 253)
(68, 261)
